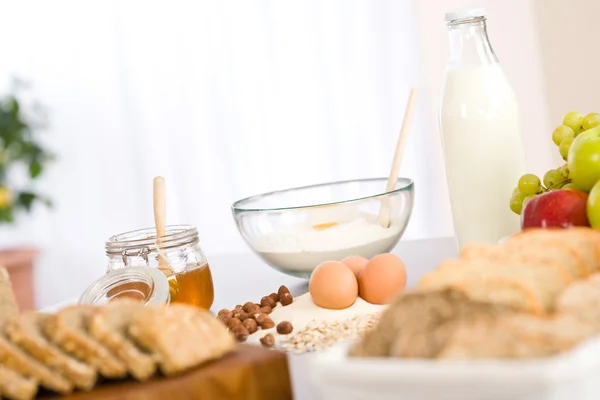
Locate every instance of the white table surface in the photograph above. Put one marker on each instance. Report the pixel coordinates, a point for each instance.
(239, 278)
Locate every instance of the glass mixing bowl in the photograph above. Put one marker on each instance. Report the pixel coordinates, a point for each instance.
(294, 230)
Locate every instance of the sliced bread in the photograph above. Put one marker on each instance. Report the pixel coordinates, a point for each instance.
(26, 332)
(16, 359)
(109, 326)
(530, 285)
(585, 241)
(8, 303)
(181, 336)
(552, 251)
(418, 323)
(515, 336)
(15, 386)
(68, 329)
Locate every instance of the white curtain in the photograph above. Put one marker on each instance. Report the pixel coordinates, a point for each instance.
(225, 99)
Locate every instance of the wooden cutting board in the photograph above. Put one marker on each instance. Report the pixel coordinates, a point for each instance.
(249, 373)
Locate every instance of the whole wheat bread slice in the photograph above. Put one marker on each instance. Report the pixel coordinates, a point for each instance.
(68, 329)
(552, 251)
(515, 336)
(26, 331)
(16, 359)
(8, 303)
(515, 282)
(585, 240)
(12, 356)
(16, 387)
(109, 325)
(181, 337)
(417, 324)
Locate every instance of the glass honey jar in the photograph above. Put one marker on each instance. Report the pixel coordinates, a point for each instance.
(185, 274)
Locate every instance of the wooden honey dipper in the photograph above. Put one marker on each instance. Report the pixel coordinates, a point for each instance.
(160, 217)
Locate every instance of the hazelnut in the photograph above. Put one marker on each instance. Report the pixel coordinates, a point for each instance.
(286, 299)
(260, 318)
(244, 316)
(241, 333)
(268, 323)
(266, 310)
(282, 290)
(284, 327)
(233, 322)
(224, 318)
(225, 312)
(248, 307)
(264, 321)
(268, 340)
(251, 325)
(275, 297)
(267, 302)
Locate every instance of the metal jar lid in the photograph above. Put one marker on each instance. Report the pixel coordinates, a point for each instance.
(146, 284)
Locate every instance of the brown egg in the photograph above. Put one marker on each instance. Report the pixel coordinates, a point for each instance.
(355, 263)
(333, 285)
(382, 279)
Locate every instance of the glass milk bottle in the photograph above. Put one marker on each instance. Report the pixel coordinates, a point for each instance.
(482, 141)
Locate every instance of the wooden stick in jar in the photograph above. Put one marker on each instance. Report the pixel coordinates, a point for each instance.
(160, 216)
(384, 213)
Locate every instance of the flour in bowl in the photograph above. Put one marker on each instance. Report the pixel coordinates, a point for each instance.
(302, 247)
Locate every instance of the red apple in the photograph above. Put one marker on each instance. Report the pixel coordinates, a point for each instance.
(557, 209)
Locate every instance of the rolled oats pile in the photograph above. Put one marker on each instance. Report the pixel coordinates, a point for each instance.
(321, 335)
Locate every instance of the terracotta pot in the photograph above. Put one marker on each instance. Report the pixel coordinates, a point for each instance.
(20, 263)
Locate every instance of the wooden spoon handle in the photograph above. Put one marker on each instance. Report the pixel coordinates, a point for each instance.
(160, 218)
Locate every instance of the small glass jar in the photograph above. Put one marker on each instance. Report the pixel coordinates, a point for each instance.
(177, 255)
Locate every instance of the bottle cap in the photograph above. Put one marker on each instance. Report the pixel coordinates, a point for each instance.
(465, 14)
(145, 284)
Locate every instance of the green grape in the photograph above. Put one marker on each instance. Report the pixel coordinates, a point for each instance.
(553, 178)
(561, 133)
(516, 202)
(564, 170)
(573, 120)
(569, 186)
(564, 147)
(529, 184)
(591, 120)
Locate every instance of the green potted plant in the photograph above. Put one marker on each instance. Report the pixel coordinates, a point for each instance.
(22, 161)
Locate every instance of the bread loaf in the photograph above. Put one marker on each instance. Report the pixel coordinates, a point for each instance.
(554, 251)
(69, 330)
(15, 386)
(585, 241)
(26, 332)
(527, 284)
(181, 337)
(109, 326)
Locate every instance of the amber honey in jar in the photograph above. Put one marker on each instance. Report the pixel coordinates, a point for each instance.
(177, 254)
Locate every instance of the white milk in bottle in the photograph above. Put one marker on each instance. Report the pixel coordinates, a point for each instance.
(483, 146)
